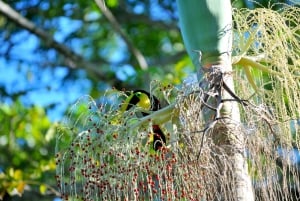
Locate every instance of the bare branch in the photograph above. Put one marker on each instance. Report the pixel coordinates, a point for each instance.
(116, 26)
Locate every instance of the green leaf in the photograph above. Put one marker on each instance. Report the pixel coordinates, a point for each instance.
(43, 189)
(112, 3)
(15, 174)
(51, 133)
(6, 109)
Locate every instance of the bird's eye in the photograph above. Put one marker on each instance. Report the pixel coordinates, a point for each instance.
(138, 94)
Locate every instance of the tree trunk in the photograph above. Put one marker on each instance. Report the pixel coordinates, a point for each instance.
(206, 27)
(228, 137)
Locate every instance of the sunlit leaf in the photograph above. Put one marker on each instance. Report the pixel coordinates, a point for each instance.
(112, 3)
(6, 109)
(43, 189)
(17, 174)
(50, 133)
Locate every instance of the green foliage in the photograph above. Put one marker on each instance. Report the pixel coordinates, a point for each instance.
(91, 36)
(27, 148)
(117, 165)
(26, 134)
(266, 49)
(104, 154)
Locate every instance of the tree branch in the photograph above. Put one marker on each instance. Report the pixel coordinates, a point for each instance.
(73, 60)
(116, 26)
(141, 18)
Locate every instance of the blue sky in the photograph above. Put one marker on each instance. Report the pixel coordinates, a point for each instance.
(45, 85)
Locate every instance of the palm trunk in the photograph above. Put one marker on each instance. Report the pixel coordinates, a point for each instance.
(206, 27)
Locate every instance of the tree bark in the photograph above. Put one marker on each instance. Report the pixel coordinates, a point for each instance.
(227, 135)
(206, 27)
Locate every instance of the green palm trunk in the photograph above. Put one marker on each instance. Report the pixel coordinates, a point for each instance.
(206, 27)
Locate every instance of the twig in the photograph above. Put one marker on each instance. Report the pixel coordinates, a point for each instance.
(116, 26)
(217, 85)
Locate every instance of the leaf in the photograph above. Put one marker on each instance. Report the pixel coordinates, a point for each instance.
(15, 174)
(43, 189)
(250, 78)
(50, 133)
(6, 110)
(112, 3)
(18, 174)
